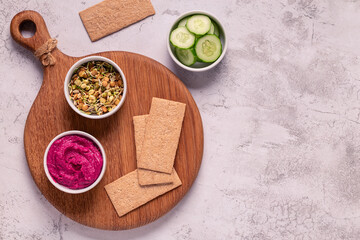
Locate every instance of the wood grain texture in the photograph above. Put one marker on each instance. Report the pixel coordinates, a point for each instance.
(50, 115)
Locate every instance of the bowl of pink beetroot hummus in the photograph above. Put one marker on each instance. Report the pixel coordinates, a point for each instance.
(74, 162)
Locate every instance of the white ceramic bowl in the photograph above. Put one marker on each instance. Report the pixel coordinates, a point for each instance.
(66, 189)
(198, 66)
(68, 78)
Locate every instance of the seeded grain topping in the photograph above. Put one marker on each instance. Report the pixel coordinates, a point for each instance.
(96, 87)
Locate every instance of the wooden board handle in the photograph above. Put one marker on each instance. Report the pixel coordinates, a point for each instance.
(41, 32)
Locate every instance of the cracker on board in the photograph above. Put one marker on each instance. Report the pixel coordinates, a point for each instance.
(126, 194)
(146, 177)
(150, 177)
(110, 16)
(139, 130)
(162, 133)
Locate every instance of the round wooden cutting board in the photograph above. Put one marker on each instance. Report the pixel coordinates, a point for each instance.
(50, 115)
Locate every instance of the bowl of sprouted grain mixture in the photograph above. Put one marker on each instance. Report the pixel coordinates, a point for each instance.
(95, 87)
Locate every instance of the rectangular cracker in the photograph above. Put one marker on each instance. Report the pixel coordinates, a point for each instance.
(150, 177)
(139, 130)
(126, 194)
(146, 177)
(162, 135)
(110, 16)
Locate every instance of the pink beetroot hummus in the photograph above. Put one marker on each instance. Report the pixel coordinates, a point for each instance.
(74, 161)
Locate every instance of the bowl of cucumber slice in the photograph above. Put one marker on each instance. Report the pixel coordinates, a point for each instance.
(197, 41)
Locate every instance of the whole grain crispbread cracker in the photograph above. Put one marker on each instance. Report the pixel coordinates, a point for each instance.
(162, 135)
(110, 16)
(126, 194)
(139, 130)
(150, 177)
(146, 177)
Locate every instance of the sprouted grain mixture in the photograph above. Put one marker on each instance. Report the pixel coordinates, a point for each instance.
(96, 87)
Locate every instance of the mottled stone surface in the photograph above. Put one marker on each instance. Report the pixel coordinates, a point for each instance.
(281, 118)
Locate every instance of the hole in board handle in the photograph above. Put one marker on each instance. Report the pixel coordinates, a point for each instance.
(27, 28)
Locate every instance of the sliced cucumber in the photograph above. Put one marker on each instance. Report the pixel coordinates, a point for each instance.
(212, 28)
(182, 23)
(208, 48)
(198, 24)
(216, 29)
(182, 38)
(186, 56)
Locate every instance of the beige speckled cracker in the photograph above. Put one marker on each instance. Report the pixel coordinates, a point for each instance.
(126, 194)
(146, 177)
(150, 177)
(162, 135)
(110, 16)
(139, 129)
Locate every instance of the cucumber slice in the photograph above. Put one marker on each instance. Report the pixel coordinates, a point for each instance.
(182, 38)
(183, 21)
(198, 24)
(216, 29)
(208, 48)
(212, 28)
(186, 56)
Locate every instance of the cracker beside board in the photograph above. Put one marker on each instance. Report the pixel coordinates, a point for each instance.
(50, 115)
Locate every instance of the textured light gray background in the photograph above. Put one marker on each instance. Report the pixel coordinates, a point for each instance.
(281, 118)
